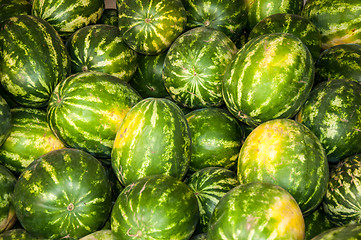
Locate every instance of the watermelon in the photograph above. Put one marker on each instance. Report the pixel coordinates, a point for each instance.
(229, 17)
(217, 138)
(333, 113)
(101, 48)
(286, 153)
(34, 59)
(343, 196)
(5, 119)
(341, 61)
(270, 77)
(256, 211)
(65, 193)
(155, 207)
(11, 8)
(316, 223)
(100, 235)
(259, 9)
(7, 211)
(147, 79)
(86, 109)
(17, 234)
(201, 236)
(339, 21)
(30, 137)
(154, 138)
(210, 185)
(109, 17)
(195, 65)
(348, 232)
(149, 27)
(295, 24)
(67, 16)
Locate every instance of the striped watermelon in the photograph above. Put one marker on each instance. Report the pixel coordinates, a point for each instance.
(147, 79)
(154, 138)
(67, 16)
(109, 17)
(343, 196)
(257, 211)
(5, 119)
(7, 211)
(100, 235)
(11, 8)
(155, 207)
(65, 193)
(101, 48)
(86, 109)
(217, 138)
(229, 17)
(259, 9)
(149, 27)
(210, 185)
(17, 234)
(333, 113)
(30, 137)
(286, 153)
(348, 232)
(34, 59)
(270, 77)
(339, 21)
(195, 65)
(341, 61)
(295, 24)
(316, 223)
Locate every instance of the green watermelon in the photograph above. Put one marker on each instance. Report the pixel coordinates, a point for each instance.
(34, 59)
(195, 65)
(67, 16)
(17, 234)
(295, 24)
(149, 27)
(348, 232)
(333, 113)
(217, 138)
(5, 119)
(7, 211)
(100, 235)
(259, 9)
(342, 199)
(65, 193)
(259, 211)
(154, 138)
(30, 137)
(341, 61)
(155, 207)
(286, 153)
(210, 185)
(270, 77)
(147, 79)
(109, 17)
(228, 16)
(86, 109)
(339, 21)
(100, 48)
(11, 8)
(316, 223)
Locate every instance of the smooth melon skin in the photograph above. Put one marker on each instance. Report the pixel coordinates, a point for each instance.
(259, 211)
(286, 153)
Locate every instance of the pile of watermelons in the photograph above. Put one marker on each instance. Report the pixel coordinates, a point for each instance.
(180, 119)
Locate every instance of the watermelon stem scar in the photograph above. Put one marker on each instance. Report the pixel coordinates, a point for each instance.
(70, 207)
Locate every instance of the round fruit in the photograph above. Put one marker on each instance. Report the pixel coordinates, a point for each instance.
(195, 65)
(7, 211)
(217, 138)
(348, 232)
(288, 154)
(10, 8)
(257, 211)
(316, 223)
(65, 193)
(86, 109)
(149, 27)
(155, 207)
(5, 119)
(154, 138)
(270, 77)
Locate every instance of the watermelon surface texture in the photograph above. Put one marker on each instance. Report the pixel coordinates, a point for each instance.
(5, 119)
(7, 211)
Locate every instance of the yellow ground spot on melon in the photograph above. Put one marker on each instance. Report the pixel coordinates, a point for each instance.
(289, 217)
(50, 143)
(345, 39)
(115, 116)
